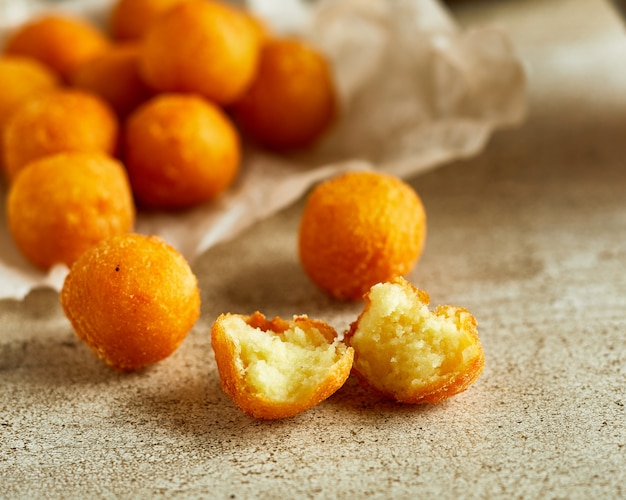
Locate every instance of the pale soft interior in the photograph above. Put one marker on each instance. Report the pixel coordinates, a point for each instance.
(284, 367)
(401, 344)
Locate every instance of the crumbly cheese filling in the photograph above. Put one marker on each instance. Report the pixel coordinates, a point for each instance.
(400, 343)
(285, 366)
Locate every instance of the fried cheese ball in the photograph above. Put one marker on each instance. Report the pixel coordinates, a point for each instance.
(61, 205)
(204, 47)
(114, 76)
(277, 368)
(55, 122)
(22, 78)
(359, 229)
(58, 41)
(132, 299)
(292, 100)
(410, 354)
(181, 151)
(130, 19)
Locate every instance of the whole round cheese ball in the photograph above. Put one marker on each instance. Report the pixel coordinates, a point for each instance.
(180, 151)
(358, 229)
(61, 205)
(58, 122)
(201, 46)
(60, 42)
(132, 299)
(292, 100)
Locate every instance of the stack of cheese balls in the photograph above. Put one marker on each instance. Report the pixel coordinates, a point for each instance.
(145, 113)
(162, 97)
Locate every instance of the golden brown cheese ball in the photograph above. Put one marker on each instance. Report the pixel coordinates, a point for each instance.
(359, 229)
(292, 100)
(132, 299)
(130, 19)
(204, 47)
(55, 122)
(410, 354)
(278, 368)
(58, 41)
(180, 151)
(61, 205)
(114, 76)
(22, 78)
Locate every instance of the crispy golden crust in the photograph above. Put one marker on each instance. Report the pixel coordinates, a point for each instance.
(132, 299)
(258, 404)
(460, 372)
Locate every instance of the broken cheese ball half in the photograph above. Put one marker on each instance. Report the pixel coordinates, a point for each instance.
(409, 353)
(277, 368)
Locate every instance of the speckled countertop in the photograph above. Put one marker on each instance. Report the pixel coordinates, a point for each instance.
(530, 236)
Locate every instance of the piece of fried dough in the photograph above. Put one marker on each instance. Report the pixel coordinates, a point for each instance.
(59, 41)
(291, 102)
(409, 353)
(59, 121)
(277, 368)
(181, 151)
(358, 229)
(203, 47)
(132, 299)
(61, 205)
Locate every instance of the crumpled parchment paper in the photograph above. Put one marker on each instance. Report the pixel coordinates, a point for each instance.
(416, 91)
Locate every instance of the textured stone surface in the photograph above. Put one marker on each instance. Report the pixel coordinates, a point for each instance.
(530, 236)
